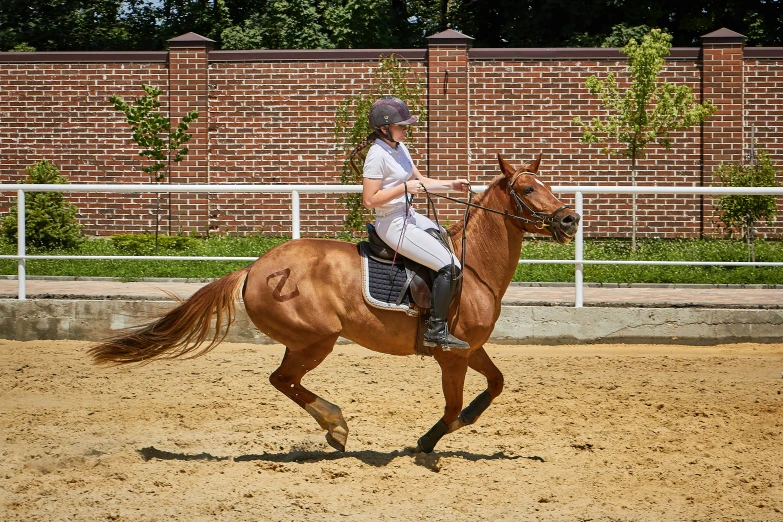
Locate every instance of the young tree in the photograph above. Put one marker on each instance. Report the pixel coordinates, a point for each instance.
(352, 125)
(152, 132)
(644, 113)
(741, 213)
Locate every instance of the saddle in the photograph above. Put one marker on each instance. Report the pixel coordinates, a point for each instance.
(403, 285)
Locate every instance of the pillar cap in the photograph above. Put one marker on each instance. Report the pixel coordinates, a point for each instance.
(450, 37)
(191, 40)
(723, 36)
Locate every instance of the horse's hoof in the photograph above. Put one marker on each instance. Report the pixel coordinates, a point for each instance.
(418, 449)
(424, 449)
(336, 444)
(337, 436)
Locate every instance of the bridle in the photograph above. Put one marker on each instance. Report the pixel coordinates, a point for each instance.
(542, 220)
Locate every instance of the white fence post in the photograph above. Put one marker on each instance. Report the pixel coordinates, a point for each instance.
(20, 244)
(295, 233)
(579, 247)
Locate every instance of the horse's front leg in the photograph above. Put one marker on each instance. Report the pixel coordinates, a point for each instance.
(480, 361)
(453, 369)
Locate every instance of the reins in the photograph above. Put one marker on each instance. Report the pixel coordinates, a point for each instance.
(404, 224)
(431, 206)
(541, 220)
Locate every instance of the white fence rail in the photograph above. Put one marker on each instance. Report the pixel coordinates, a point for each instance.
(295, 190)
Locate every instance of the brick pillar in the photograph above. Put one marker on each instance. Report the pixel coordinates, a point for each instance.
(723, 83)
(447, 116)
(189, 90)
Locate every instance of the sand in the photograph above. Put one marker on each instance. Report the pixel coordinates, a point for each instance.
(580, 433)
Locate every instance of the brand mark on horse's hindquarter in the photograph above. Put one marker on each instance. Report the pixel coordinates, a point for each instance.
(280, 284)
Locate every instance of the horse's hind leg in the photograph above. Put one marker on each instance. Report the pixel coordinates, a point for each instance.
(480, 361)
(287, 378)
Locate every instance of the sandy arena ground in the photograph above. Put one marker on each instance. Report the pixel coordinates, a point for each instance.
(643, 433)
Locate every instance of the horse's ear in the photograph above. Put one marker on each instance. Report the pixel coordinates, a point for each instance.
(507, 169)
(534, 166)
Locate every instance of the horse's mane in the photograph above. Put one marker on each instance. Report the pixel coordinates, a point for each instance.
(456, 228)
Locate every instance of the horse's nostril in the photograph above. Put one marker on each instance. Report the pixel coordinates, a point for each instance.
(569, 223)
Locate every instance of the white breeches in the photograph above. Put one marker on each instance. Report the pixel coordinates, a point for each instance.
(416, 244)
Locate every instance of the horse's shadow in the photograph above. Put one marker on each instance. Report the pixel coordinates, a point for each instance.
(369, 457)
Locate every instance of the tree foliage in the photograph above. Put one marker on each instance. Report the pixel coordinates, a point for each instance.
(649, 110)
(152, 131)
(96, 25)
(352, 125)
(50, 221)
(558, 23)
(740, 213)
(71, 25)
(620, 36)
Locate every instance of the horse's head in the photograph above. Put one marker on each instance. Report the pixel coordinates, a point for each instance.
(533, 201)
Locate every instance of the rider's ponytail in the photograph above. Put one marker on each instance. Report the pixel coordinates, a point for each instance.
(369, 140)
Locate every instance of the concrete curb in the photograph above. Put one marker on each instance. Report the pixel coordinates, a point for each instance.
(93, 320)
(589, 325)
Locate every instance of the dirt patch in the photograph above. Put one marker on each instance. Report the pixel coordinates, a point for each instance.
(580, 433)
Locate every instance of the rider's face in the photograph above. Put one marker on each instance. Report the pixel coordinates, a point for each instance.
(398, 131)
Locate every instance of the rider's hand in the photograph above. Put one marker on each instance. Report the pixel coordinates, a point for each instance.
(414, 186)
(460, 184)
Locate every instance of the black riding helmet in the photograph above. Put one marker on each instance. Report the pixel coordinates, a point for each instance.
(389, 110)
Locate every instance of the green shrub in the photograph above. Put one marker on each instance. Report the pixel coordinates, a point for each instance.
(740, 213)
(144, 244)
(50, 221)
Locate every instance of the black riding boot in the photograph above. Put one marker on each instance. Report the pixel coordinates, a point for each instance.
(438, 331)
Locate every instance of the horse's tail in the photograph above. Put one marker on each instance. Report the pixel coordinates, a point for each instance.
(182, 330)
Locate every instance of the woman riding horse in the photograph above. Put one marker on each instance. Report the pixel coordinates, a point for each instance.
(307, 293)
(389, 176)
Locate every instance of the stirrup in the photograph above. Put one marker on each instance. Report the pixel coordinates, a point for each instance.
(447, 343)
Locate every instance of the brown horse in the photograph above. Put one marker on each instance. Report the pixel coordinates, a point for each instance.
(306, 293)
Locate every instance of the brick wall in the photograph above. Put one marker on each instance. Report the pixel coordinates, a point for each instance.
(448, 87)
(523, 107)
(188, 90)
(763, 112)
(266, 117)
(60, 111)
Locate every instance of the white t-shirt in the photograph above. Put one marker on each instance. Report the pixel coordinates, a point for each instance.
(393, 167)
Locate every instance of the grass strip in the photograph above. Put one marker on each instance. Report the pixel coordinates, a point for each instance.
(254, 246)
(715, 250)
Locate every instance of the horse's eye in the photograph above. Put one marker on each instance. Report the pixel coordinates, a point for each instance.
(527, 190)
